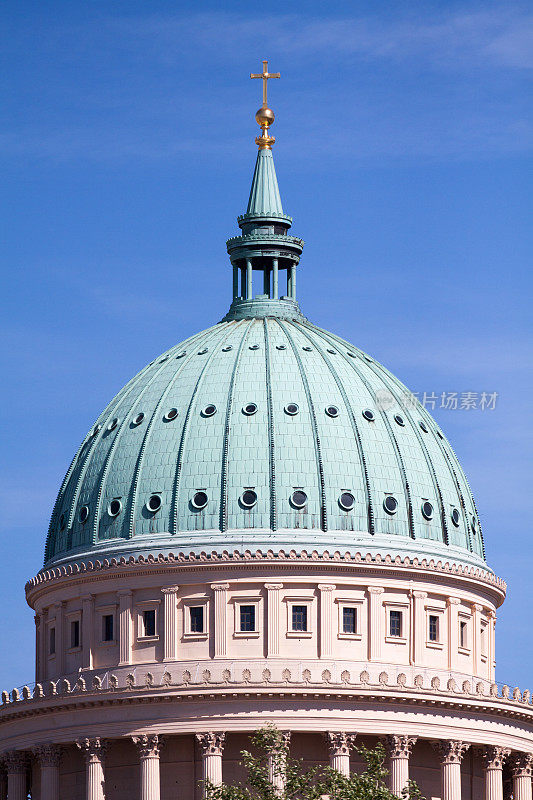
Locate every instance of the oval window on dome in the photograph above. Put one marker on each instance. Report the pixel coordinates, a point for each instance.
(399, 420)
(209, 410)
(333, 352)
(249, 409)
(182, 354)
(248, 498)
(423, 426)
(427, 510)
(439, 434)
(227, 348)
(291, 409)
(84, 513)
(332, 411)
(114, 508)
(165, 358)
(254, 347)
(138, 419)
(347, 501)
(473, 523)
(299, 498)
(352, 355)
(367, 358)
(62, 522)
(171, 414)
(153, 503)
(202, 352)
(96, 430)
(113, 424)
(199, 500)
(369, 414)
(390, 504)
(307, 348)
(456, 517)
(281, 347)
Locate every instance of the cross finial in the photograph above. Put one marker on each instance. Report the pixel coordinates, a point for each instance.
(265, 115)
(265, 75)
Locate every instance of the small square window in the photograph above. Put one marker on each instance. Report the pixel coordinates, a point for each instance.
(349, 620)
(395, 623)
(149, 622)
(463, 634)
(108, 625)
(75, 633)
(433, 628)
(52, 641)
(299, 618)
(247, 618)
(196, 619)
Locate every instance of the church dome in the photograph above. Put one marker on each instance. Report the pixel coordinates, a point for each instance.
(264, 432)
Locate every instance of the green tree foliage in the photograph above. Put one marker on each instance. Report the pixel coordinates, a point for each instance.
(306, 784)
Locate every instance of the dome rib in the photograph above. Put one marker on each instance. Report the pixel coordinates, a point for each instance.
(271, 436)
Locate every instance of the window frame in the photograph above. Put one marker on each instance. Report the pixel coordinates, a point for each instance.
(296, 600)
(438, 643)
(348, 602)
(51, 629)
(253, 600)
(403, 609)
(140, 608)
(466, 619)
(484, 640)
(74, 616)
(186, 604)
(104, 611)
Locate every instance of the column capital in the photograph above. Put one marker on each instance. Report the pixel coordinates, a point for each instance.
(521, 765)
(452, 601)
(270, 587)
(398, 746)
(148, 744)
(86, 597)
(170, 590)
(92, 749)
(211, 743)
(48, 755)
(340, 742)
(16, 761)
(419, 595)
(124, 592)
(477, 607)
(326, 587)
(219, 587)
(494, 756)
(375, 589)
(451, 751)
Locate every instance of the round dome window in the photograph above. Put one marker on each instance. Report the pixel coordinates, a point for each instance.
(114, 508)
(291, 409)
(427, 509)
(113, 424)
(281, 347)
(352, 355)
(332, 411)
(96, 430)
(248, 498)
(227, 348)
(180, 355)
(249, 409)
(299, 498)
(209, 410)
(202, 352)
(62, 522)
(307, 348)
(199, 500)
(399, 420)
(390, 504)
(473, 523)
(254, 347)
(369, 414)
(138, 419)
(171, 414)
(333, 352)
(456, 517)
(423, 426)
(84, 513)
(154, 503)
(347, 501)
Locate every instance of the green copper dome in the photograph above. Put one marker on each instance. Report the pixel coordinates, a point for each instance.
(264, 432)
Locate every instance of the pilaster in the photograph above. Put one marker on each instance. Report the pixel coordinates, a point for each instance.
(452, 608)
(221, 604)
(476, 637)
(124, 626)
(170, 639)
(326, 620)
(419, 632)
(148, 746)
(273, 614)
(87, 632)
(375, 622)
(340, 744)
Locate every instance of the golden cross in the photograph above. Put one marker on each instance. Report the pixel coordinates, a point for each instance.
(265, 75)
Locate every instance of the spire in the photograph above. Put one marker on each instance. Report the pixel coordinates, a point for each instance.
(264, 199)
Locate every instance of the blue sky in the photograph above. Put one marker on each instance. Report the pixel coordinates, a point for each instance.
(404, 138)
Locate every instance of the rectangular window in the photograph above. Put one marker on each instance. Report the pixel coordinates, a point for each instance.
(52, 641)
(108, 633)
(247, 618)
(395, 623)
(463, 639)
(433, 628)
(349, 620)
(299, 618)
(149, 622)
(75, 633)
(197, 619)
(484, 640)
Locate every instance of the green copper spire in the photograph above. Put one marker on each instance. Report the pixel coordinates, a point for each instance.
(264, 199)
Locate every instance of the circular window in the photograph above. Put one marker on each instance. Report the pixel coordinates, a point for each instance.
(369, 414)
(249, 409)
(154, 503)
(390, 504)
(114, 508)
(95, 430)
(331, 351)
(427, 509)
(62, 522)
(456, 517)
(423, 426)
(291, 409)
(352, 355)
(281, 347)
(254, 347)
(399, 420)
(299, 498)
(332, 411)
(227, 348)
(307, 348)
(172, 413)
(138, 419)
(249, 498)
(180, 355)
(113, 424)
(202, 352)
(84, 513)
(199, 500)
(347, 501)
(209, 410)
(473, 523)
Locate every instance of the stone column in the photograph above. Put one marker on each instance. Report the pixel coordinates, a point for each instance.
(375, 622)
(494, 758)
(522, 771)
(491, 646)
(326, 620)
(476, 637)
(16, 764)
(48, 757)
(248, 279)
(43, 647)
(221, 603)
(452, 607)
(266, 281)
(149, 745)
(62, 642)
(211, 745)
(399, 750)
(124, 626)
(3, 781)
(94, 753)
(419, 633)
(339, 744)
(273, 610)
(451, 753)
(277, 763)
(235, 281)
(87, 630)
(37, 620)
(275, 279)
(170, 638)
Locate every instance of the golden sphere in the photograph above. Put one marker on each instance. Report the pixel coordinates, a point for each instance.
(264, 117)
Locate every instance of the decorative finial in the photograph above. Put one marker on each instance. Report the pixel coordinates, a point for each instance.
(265, 116)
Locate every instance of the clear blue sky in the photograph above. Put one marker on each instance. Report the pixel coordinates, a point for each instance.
(404, 139)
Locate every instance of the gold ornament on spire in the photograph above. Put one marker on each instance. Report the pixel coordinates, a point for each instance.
(265, 116)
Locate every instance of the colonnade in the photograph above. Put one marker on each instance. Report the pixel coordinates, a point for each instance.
(270, 286)
(14, 765)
